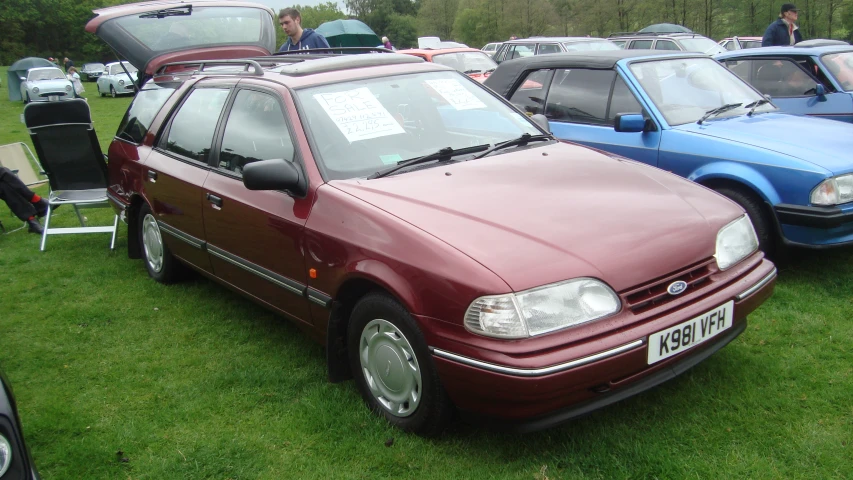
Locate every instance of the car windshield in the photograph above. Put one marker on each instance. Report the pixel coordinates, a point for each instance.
(685, 89)
(93, 67)
(702, 45)
(367, 125)
(116, 69)
(46, 74)
(466, 62)
(840, 65)
(589, 46)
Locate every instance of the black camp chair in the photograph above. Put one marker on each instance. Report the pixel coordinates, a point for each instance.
(70, 154)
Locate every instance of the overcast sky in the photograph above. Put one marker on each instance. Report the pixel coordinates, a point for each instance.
(279, 4)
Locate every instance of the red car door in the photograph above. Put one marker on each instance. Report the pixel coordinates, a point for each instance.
(254, 237)
(176, 170)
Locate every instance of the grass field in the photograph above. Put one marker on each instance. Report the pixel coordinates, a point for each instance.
(118, 377)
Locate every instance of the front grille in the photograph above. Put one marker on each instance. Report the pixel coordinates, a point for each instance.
(654, 294)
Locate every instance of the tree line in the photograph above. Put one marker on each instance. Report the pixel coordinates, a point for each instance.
(55, 28)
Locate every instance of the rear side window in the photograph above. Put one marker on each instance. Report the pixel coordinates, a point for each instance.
(641, 45)
(192, 128)
(580, 96)
(256, 130)
(137, 120)
(530, 96)
(666, 45)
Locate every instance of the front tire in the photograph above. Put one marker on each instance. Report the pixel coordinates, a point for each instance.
(112, 91)
(761, 222)
(162, 266)
(393, 368)
(98, 87)
(27, 98)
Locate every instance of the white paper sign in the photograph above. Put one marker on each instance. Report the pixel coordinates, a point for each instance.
(456, 95)
(358, 114)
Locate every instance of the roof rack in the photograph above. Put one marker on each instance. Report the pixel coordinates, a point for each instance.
(649, 34)
(246, 64)
(346, 62)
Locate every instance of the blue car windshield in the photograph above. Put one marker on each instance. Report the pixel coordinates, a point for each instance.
(362, 126)
(685, 89)
(840, 65)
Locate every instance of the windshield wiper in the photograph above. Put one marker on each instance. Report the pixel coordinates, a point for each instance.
(752, 106)
(468, 72)
(169, 12)
(718, 110)
(522, 140)
(444, 154)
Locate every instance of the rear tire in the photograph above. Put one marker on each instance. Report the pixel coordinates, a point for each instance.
(162, 266)
(761, 222)
(393, 368)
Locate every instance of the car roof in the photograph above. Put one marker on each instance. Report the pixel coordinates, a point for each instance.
(651, 35)
(805, 51)
(508, 72)
(42, 68)
(438, 51)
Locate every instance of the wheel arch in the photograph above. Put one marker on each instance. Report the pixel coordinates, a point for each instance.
(134, 249)
(737, 175)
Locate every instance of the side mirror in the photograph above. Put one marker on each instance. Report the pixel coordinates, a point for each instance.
(275, 174)
(23, 79)
(629, 122)
(542, 121)
(819, 89)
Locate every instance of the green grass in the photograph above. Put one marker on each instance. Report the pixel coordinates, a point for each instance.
(192, 381)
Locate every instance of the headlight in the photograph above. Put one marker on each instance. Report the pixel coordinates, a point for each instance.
(5, 455)
(121, 82)
(542, 309)
(833, 191)
(68, 88)
(735, 242)
(35, 89)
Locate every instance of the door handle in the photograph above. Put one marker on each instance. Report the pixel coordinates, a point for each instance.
(152, 175)
(216, 201)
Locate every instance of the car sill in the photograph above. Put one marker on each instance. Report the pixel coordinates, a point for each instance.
(764, 281)
(536, 372)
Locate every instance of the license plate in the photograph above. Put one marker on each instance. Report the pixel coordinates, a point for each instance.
(686, 335)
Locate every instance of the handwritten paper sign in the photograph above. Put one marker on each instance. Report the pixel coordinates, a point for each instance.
(358, 114)
(456, 95)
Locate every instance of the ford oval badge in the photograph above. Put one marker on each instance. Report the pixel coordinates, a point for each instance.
(677, 288)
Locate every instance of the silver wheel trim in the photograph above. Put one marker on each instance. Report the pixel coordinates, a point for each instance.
(390, 368)
(152, 242)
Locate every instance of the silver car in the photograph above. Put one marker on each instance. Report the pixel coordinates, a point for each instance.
(114, 81)
(45, 83)
(91, 71)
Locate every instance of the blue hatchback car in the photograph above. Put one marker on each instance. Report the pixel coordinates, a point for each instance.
(688, 114)
(816, 81)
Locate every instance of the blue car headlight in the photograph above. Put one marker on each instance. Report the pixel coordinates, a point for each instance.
(5, 455)
(833, 191)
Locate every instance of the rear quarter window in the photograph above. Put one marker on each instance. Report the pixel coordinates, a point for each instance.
(137, 120)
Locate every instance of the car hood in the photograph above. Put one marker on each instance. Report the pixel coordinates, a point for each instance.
(541, 215)
(151, 34)
(50, 84)
(824, 143)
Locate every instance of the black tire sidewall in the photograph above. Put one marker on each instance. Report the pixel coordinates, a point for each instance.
(433, 411)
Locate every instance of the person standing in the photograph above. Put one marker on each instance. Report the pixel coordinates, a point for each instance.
(74, 77)
(66, 63)
(784, 31)
(297, 37)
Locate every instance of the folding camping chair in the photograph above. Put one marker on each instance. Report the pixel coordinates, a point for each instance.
(70, 154)
(17, 158)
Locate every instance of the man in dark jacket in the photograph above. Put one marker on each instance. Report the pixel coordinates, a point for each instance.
(297, 37)
(784, 31)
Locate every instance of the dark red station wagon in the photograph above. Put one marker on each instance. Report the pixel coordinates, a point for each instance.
(449, 253)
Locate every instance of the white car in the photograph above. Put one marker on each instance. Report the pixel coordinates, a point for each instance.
(42, 83)
(114, 81)
(491, 48)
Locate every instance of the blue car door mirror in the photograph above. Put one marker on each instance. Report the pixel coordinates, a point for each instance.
(629, 122)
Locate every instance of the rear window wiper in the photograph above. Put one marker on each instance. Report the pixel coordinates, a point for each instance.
(522, 140)
(716, 111)
(169, 12)
(445, 153)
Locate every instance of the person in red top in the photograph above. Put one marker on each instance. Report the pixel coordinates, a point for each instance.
(785, 30)
(23, 202)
